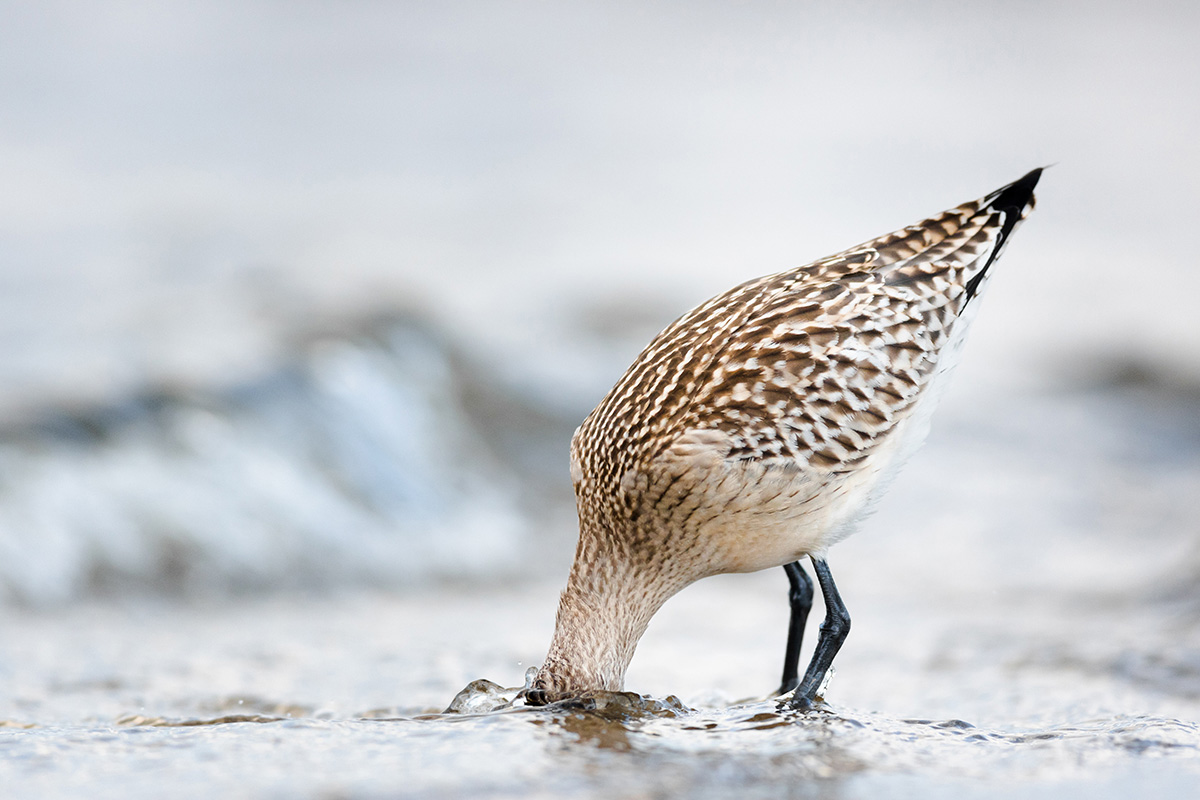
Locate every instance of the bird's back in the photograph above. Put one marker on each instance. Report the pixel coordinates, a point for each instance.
(794, 387)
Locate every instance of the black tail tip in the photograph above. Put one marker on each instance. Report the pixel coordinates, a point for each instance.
(1017, 194)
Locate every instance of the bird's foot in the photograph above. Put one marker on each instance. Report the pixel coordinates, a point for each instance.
(803, 704)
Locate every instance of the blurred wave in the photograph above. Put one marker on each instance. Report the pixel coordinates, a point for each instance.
(366, 458)
(388, 453)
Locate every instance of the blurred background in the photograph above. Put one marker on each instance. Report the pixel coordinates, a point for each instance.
(306, 295)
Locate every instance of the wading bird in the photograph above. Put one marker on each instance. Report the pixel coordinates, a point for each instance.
(758, 429)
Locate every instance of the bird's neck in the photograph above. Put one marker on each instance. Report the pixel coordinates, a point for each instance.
(602, 613)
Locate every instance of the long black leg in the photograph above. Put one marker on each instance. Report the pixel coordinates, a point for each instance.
(800, 596)
(833, 632)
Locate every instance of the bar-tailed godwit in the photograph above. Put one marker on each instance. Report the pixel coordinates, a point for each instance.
(759, 428)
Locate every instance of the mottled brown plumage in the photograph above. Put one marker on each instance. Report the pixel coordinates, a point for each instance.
(759, 427)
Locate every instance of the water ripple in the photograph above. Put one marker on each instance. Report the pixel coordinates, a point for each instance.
(827, 741)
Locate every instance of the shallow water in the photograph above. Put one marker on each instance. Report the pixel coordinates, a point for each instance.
(343, 696)
(748, 750)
